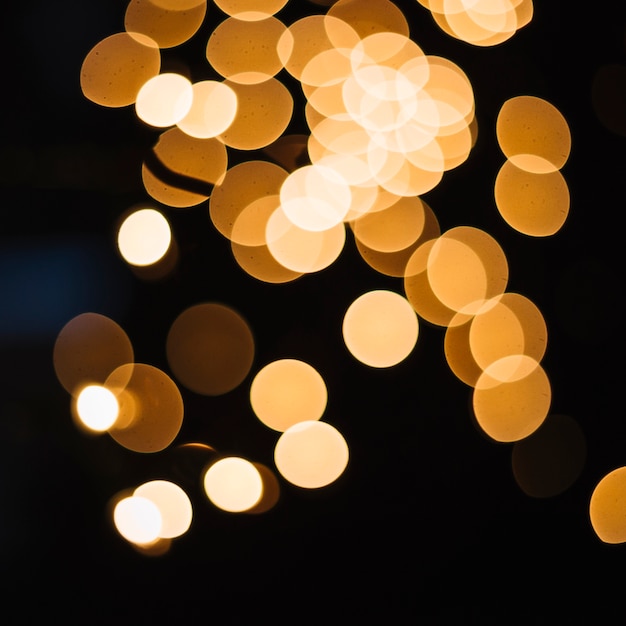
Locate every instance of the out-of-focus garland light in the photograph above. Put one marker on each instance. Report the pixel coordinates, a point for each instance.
(386, 121)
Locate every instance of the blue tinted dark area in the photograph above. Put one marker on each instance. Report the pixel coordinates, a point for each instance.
(43, 285)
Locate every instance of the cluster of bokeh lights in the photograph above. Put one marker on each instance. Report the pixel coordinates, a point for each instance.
(385, 121)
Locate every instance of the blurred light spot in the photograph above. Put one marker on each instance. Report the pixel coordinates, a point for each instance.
(250, 10)
(212, 111)
(164, 100)
(380, 328)
(97, 407)
(465, 267)
(169, 26)
(173, 503)
(258, 262)
(245, 51)
(550, 460)
(233, 484)
(286, 392)
(144, 237)
(210, 349)
(263, 114)
(116, 68)
(511, 411)
(311, 454)
(137, 519)
(370, 16)
(151, 408)
(241, 186)
(533, 134)
(533, 204)
(87, 349)
(607, 507)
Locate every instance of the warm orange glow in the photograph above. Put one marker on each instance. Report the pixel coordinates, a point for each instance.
(533, 134)
(212, 111)
(210, 348)
(392, 229)
(250, 10)
(301, 250)
(380, 328)
(607, 507)
(244, 184)
(465, 267)
(137, 519)
(311, 454)
(370, 16)
(233, 484)
(315, 198)
(87, 349)
(173, 504)
(97, 407)
(245, 51)
(286, 392)
(144, 237)
(263, 114)
(169, 26)
(511, 411)
(258, 262)
(116, 68)
(533, 204)
(151, 408)
(507, 325)
(164, 100)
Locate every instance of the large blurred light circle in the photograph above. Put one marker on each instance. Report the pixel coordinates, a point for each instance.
(137, 519)
(607, 507)
(212, 111)
(144, 237)
(380, 328)
(164, 100)
(311, 454)
(97, 407)
(173, 503)
(233, 484)
(286, 392)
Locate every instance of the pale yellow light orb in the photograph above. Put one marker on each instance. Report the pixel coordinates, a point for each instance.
(286, 392)
(173, 503)
(144, 237)
(137, 519)
(233, 484)
(380, 328)
(164, 100)
(311, 454)
(97, 407)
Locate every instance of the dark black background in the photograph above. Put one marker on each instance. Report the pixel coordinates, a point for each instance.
(427, 525)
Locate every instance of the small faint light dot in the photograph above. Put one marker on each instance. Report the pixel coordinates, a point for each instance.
(137, 519)
(97, 407)
(144, 237)
(233, 484)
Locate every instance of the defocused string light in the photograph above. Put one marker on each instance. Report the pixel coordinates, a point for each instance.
(386, 121)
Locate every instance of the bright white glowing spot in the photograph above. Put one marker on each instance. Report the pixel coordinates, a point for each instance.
(233, 484)
(311, 454)
(137, 519)
(173, 504)
(144, 237)
(380, 328)
(97, 407)
(164, 100)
